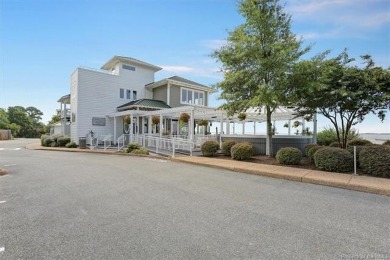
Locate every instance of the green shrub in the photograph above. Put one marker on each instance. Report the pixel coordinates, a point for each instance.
(333, 159)
(313, 150)
(71, 145)
(329, 135)
(131, 147)
(54, 144)
(307, 148)
(141, 150)
(209, 148)
(227, 146)
(359, 142)
(335, 144)
(375, 160)
(242, 151)
(46, 140)
(387, 142)
(289, 156)
(63, 141)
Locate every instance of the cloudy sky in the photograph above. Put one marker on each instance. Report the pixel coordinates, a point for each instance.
(42, 41)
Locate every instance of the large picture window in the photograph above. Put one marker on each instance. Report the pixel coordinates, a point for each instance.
(189, 96)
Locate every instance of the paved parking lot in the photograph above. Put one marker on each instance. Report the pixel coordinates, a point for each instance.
(93, 206)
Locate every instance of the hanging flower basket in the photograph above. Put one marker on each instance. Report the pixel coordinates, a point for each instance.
(308, 118)
(285, 125)
(155, 120)
(241, 116)
(297, 123)
(127, 120)
(203, 122)
(184, 117)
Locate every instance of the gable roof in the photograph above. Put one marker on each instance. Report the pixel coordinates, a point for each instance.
(128, 60)
(144, 103)
(181, 82)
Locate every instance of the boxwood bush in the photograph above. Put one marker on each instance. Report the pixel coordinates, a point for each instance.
(333, 159)
(359, 142)
(227, 146)
(335, 144)
(46, 140)
(209, 148)
(289, 156)
(307, 148)
(375, 160)
(313, 150)
(141, 150)
(242, 151)
(132, 147)
(71, 145)
(63, 140)
(387, 142)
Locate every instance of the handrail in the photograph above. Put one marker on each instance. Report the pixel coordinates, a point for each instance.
(106, 139)
(119, 140)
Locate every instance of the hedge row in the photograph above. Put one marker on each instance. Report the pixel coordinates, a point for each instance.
(57, 141)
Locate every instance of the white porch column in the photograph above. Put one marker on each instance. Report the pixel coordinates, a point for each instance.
(114, 129)
(227, 127)
(243, 127)
(191, 125)
(254, 127)
(161, 125)
(143, 125)
(234, 127)
(131, 128)
(289, 127)
(169, 94)
(220, 135)
(303, 125)
(150, 125)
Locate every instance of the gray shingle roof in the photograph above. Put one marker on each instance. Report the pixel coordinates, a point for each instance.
(147, 103)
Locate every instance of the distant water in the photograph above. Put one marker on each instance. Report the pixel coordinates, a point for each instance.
(376, 138)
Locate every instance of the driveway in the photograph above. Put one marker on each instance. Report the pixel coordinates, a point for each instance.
(92, 206)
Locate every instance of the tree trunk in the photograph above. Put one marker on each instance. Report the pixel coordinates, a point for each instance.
(268, 142)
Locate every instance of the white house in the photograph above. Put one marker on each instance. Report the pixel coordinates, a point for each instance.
(99, 99)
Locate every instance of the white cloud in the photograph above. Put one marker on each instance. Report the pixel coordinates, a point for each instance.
(177, 69)
(309, 7)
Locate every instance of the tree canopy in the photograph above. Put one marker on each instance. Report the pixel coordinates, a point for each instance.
(256, 59)
(342, 92)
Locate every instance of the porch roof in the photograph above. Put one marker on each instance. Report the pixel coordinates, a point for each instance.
(144, 103)
(64, 99)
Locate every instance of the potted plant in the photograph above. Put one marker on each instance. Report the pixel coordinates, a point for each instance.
(155, 120)
(127, 120)
(296, 123)
(242, 116)
(308, 117)
(184, 117)
(203, 122)
(285, 125)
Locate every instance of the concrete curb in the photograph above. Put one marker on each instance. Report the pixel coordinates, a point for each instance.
(368, 184)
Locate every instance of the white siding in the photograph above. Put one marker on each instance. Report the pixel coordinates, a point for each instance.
(97, 95)
(73, 106)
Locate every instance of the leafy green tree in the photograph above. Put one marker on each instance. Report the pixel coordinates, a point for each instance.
(6, 124)
(256, 59)
(341, 92)
(54, 119)
(27, 119)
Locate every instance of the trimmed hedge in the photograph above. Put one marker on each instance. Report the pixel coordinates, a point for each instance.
(71, 145)
(359, 142)
(242, 151)
(313, 150)
(335, 144)
(307, 148)
(289, 156)
(63, 141)
(227, 146)
(209, 148)
(375, 160)
(333, 159)
(141, 150)
(132, 147)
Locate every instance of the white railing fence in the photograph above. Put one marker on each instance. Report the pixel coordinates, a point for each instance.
(107, 140)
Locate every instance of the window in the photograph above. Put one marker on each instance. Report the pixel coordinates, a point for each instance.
(189, 96)
(128, 94)
(128, 67)
(121, 93)
(134, 95)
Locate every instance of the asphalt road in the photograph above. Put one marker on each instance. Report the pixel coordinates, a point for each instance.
(60, 205)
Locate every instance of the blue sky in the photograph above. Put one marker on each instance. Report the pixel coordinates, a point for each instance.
(42, 41)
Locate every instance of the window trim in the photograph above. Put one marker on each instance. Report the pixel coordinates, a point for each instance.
(193, 91)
